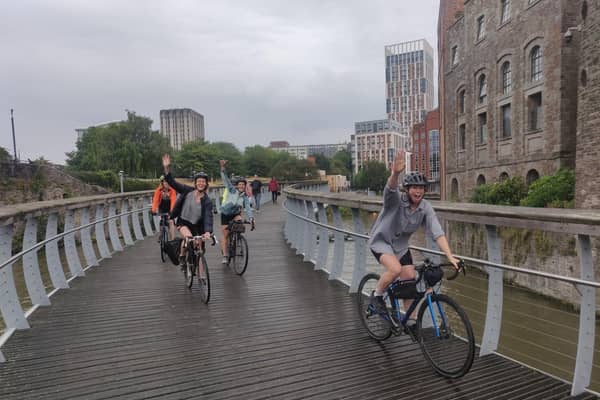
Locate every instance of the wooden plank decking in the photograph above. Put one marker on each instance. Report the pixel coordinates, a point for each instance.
(131, 330)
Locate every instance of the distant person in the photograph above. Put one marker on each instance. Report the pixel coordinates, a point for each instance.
(163, 202)
(274, 189)
(256, 191)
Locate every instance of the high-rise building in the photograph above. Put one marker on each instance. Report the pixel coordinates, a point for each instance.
(304, 151)
(181, 126)
(409, 82)
(378, 140)
(426, 149)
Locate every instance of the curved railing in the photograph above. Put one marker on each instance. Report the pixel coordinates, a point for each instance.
(305, 225)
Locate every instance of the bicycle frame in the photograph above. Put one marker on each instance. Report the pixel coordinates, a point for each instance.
(403, 319)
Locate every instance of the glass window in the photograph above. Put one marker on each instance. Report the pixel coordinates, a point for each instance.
(536, 58)
(454, 55)
(506, 121)
(504, 11)
(462, 137)
(506, 78)
(461, 102)
(482, 128)
(534, 110)
(480, 27)
(482, 88)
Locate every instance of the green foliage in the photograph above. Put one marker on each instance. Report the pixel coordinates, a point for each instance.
(289, 168)
(134, 185)
(341, 163)
(130, 146)
(4, 155)
(556, 190)
(508, 192)
(38, 183)
(322, 162)
(372, 176)
(106, 179)
(259, 160)
(205, 156)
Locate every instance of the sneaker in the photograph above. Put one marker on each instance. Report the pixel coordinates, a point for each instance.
(225, 260)
(411, 329)
(378, 305)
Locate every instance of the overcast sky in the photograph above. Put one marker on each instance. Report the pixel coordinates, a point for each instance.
(301, 71)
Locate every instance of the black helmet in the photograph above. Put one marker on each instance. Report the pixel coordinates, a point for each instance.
(238, 179)
(201, 175)
(414, 179)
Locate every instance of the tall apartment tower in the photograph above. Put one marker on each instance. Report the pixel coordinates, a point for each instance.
(409, 82)
(181, 125)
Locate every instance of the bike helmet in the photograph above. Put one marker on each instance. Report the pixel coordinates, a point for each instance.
(201, 175)
(238, 179)
(162, 178)
(414, 179)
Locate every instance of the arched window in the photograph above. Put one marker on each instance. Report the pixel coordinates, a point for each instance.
(480, 180)
(506, 78)
(535, 58)
(482, 86)
(532, 176)
(503, 176)
(454, 188)
(461, 101)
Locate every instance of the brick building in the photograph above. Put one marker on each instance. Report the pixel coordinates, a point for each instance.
(425, 156)
(509, 90)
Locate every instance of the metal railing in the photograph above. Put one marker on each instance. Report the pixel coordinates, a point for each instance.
(305, 226)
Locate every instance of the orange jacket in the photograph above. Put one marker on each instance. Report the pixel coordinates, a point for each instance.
(158, 196)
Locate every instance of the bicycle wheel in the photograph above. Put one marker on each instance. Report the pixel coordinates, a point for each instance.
(189, 270)
(163, 243)
(203, 279)
(240, 258)
(450, 349)
(377, 326)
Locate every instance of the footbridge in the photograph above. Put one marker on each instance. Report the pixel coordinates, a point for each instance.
(89, 311)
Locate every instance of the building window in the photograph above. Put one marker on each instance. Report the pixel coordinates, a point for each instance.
(506, 113)
(503, 176)
(482, 128)
(536, 58)
(504, 11)
(480, 180)
(462, 137)
(480, 27)
(454, 189)
(454, 55)
(532, 176)
(482, 85)
(534, 111)
(461, 102)
(506, 78)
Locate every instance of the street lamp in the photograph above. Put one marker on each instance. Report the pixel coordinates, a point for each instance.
(12, 122)
(121, 173)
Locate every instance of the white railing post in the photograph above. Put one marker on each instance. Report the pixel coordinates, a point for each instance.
(55, 269)
(100, 232)
(70, 248)
(338, 247)
(86, 239)
(135, 219)
(112, 227)
(360, 251)
(10, 306)
(323, 239)
(31, 266)
(125, 230)
(493, 316)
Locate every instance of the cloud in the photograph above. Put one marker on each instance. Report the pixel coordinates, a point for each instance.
(257, 70)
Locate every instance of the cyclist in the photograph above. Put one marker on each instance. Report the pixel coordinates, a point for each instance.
(193, 208)
(231, 209)
(401, 216)
(163, 202)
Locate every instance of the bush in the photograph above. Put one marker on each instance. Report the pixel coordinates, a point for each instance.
(106, 179)
(556, 190)
(506, 193)
(134, 185)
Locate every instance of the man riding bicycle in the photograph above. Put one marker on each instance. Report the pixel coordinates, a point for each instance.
(401, 216)
(163, 202)
(193, 208)
(235, 200)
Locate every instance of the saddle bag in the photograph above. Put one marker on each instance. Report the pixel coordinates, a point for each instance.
(172, 248)
(406, 289)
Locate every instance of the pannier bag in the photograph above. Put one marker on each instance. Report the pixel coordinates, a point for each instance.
(406, 289)
(172, 248)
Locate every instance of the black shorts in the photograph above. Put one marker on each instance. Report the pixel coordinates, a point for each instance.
(226, 219)
(406, 259)
(195, 229)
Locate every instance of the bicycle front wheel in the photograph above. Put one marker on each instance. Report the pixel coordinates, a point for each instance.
(240, 258)
(203, 279)
(445, 336)
(163, 244)
(189, 271)
(376, 325)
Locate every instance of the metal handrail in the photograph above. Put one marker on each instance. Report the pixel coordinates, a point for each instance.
(506, 267)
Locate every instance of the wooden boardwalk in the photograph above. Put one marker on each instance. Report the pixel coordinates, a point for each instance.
(131, 330)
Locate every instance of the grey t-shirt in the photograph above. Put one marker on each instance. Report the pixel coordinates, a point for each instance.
(397, 222)
(191, 210)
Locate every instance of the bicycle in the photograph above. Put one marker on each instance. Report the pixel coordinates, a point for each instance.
(163, 237)
(195, 265)
(442, 328)
(237, 249)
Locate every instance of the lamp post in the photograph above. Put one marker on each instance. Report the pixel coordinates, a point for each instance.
(121, 173)
(12, 122)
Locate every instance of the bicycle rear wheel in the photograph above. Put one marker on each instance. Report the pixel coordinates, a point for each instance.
(203, 279)
(240, 257)
(163, 243)
(450, 349)
(376, 325)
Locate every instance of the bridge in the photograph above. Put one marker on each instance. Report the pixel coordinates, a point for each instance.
(92, 313)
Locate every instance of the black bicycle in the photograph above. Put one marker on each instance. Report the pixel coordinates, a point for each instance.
(195, 265)
(237, 249)
(163, 236)
(442, 328)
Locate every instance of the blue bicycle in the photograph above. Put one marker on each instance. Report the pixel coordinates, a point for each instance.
(442, 327)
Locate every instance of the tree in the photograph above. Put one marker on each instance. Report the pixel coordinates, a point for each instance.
(259, 160)
(4, 155)
(372, 176)
(204, 156)
(322, 162)
(341, 163)
(289, 168)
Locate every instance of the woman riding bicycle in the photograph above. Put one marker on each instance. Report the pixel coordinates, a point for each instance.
(163, 202)
(401, 216)
(231, 210)
(193, 208)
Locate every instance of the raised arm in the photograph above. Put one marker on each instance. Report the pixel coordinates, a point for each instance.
(226, 182)
(179, 187)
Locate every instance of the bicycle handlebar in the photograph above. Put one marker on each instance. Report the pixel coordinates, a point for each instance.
(200, 237)
(461, 267)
